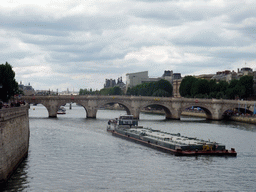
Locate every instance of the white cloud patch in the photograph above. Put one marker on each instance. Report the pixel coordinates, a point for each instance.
(164, 54)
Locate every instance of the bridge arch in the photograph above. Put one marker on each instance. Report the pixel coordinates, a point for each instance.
(206, 109)
(126, 106)
(167, 110)
(241, 110)
(52, 109)
(85, 106)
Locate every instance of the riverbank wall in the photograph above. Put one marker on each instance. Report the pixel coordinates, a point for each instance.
(245, 119)
(193, 114)
(14, 139)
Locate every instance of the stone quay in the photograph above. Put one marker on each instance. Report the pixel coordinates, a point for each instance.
(14, 139)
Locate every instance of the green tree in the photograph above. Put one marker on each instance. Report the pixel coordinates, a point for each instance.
(8, 85)
(201, 86)
(116, 91)
(222, 86)
(233, 89)
(88, 92)
(161, 88)
(165, 86)
(212, 86)
(161, 93)
(186, 86)
(111, 91)
(247, 83)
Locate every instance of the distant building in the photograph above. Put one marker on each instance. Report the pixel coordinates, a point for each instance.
(245, 71)
(226, 75)
(27, 89)
(67, 92)
(205, 76)
(113, 83)
(170, 76)
(109, 83)
(120, 83)
(42, 92)
(175, 79)
(133, 79)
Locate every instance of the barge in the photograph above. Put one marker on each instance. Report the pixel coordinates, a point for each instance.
(127, 127)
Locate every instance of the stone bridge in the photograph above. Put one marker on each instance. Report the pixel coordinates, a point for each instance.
(214, 108)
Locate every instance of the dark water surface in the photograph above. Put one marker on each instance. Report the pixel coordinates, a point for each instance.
(72, 153)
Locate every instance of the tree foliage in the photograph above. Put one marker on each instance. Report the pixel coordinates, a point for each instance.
(161, 88)
(111, 91)
(8, 85)
(88, 92)
(201, 88)
(105, 91)
(186, 86)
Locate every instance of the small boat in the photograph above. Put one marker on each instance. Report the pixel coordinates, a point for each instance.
(61, 111)
(127, 127)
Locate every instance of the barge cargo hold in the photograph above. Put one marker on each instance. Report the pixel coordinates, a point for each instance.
(126, 127)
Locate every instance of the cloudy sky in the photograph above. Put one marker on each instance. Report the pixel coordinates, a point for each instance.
(55, 44)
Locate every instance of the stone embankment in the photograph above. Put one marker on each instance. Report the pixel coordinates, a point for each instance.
(246, 119)
(14, 139)
(193, 114)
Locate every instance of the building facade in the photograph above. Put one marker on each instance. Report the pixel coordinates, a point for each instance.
(27, 89)
(133, 79)
(109, 83)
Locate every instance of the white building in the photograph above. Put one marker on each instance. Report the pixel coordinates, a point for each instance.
(133, 79)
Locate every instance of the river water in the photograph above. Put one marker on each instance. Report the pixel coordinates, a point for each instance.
(72, 153)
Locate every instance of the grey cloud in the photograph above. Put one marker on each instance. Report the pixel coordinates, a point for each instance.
(96, 43)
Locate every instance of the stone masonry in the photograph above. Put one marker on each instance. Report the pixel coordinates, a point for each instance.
(14, 139)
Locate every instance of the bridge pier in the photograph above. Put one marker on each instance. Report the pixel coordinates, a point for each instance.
(52, 107)
(135, 112)
(175, 111)
(91, 113)
(52, 113)
(216, 112)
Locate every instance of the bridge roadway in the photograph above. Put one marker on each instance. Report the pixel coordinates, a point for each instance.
(214, 108)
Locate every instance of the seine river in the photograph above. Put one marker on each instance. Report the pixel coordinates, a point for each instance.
(72, 153)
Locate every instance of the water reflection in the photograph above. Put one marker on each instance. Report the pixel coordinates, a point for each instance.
(19, 179)
(237, 125)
